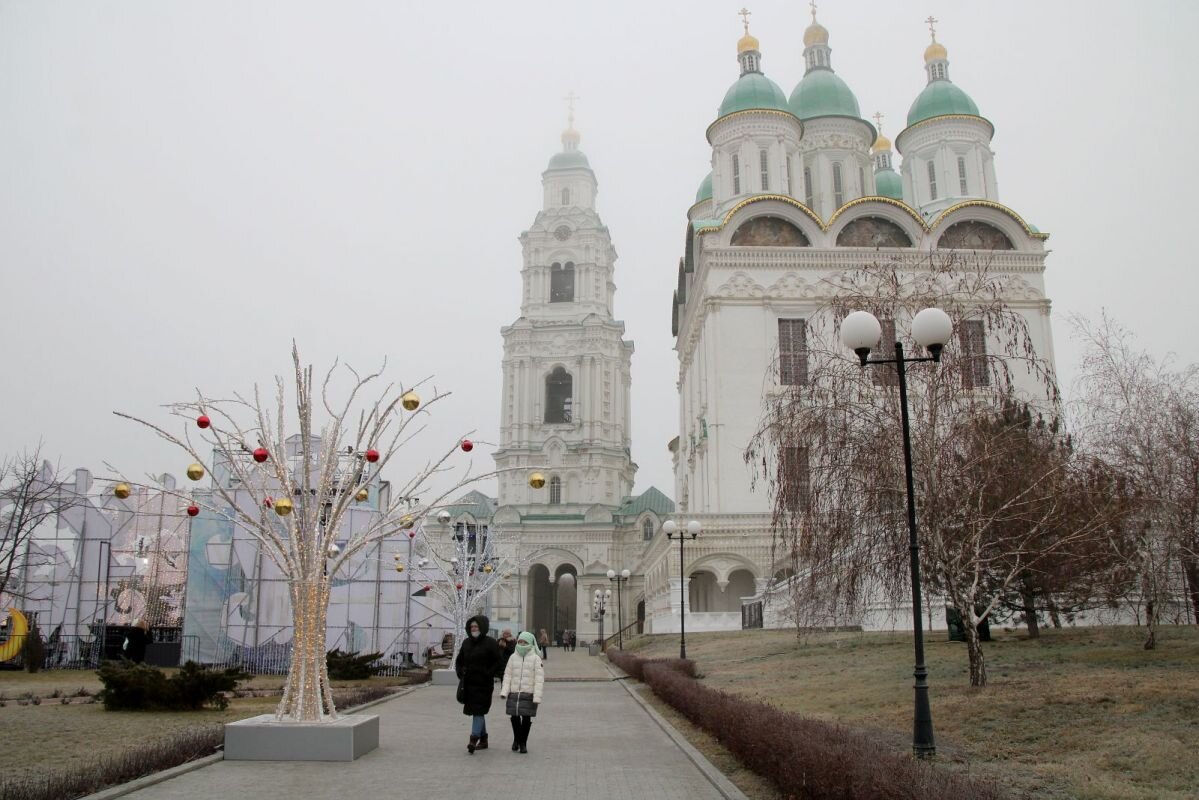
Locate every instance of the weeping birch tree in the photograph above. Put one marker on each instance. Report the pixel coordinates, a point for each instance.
(346, 438)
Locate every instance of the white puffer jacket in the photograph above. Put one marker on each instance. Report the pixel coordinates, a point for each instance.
(524, 675)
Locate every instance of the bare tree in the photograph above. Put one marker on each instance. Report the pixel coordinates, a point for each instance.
(31, 496)
(1141, 414)
(831, 449)
(299, 499)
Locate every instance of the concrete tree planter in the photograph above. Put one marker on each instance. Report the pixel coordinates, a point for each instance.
(263, 738)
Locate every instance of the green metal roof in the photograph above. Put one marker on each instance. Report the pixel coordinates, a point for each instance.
(822, 93)
(887, 183)
(475, 503)
(569, 159)
(705, 189)
(649, 500)
(753, 90)
(552, 517)
(938, 99)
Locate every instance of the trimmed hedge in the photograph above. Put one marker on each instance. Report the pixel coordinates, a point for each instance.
(135, 687)
(803, 758)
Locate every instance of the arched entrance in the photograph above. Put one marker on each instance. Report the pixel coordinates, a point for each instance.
(553, 599)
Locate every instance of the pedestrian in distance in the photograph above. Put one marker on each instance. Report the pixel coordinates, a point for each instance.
(139, 636)
(543, 641)
(507, 645)
(477, 665)
(521, 689)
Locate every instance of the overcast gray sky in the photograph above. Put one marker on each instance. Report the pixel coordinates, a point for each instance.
(185, 187)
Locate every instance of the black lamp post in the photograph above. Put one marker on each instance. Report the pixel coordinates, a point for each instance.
(619, 579)
(672, 529)
(599, 604)
(932, 327)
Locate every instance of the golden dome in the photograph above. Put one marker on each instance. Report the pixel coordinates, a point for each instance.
(815, 34)
(747, 42)
(880, 144)
(935, 52)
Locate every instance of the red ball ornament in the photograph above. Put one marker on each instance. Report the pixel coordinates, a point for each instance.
(411, 534)
(372, 456)
(193, 511)
(467, 445)
(268, 502)
(203, 421)
(427, 588)
(457, 586)
(261, 455)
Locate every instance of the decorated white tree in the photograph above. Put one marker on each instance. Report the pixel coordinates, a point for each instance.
(463, 565)
(300, 498)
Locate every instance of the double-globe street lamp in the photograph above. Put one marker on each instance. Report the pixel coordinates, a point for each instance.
(599, 605)
(931, 328)
(672, 529)
(619, 579)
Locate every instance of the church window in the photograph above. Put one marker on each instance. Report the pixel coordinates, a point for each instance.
(962, 174)
(932, 181)
(764, 170)
(647, 529)
(793, 352)
(562, 283)
(861, 182)
(566, 197)
(972, 337)
(795, 477)
(555, 491)
(807, 186)
(838, 192)
(788, 174)
(558, 396)
(736, 175)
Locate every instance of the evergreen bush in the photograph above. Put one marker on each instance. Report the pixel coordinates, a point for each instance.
(136, 687)
(351, 666)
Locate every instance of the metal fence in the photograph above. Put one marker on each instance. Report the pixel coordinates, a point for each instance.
(87, 652)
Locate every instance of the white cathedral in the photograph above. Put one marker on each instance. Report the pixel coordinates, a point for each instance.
(801, 189)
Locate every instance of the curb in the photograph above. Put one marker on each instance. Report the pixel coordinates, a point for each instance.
(718, 779)
(145, 781)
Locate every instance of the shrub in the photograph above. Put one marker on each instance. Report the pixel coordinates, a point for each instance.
(635, 666)
(137, 686)
(804, 758)
(351, 666)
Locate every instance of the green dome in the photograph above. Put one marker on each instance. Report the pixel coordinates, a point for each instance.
(569, 159)
(705, 189)
(887, 183)
(938, 99)
(753, 90)
(822, 93)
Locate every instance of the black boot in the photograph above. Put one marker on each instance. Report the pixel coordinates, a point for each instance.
(523, 748)
(482, 745)
(515, 733)
(474, 740)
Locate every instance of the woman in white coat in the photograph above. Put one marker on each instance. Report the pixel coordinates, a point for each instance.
(521, 688)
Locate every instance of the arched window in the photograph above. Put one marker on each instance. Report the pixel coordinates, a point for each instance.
(647, 529)
(566, 197)
(838, 186)
(562, 283)
(932, 181)
(789, 175)
(762, 164)
(736, 175)
(962, 175)
(807, 186)
(558, 386)
(555, 491)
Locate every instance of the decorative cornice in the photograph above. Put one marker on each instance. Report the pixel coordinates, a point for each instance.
(943, 118)
(911, 212)
(1000, 207)
(782, 198)
(745, 111)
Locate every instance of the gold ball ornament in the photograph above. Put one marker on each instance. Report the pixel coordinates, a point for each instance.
(283, 506)
(407, 521)
(399, 567)
(410, 401)
(195, 471)
(487, 568)
(537, 480)
(363, 495)
(122, 490)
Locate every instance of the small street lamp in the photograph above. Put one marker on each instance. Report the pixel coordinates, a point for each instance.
(931, 328)
(672, 529)
(619, 579)
(599, 605)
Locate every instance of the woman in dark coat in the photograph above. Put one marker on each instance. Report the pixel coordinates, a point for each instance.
(477, 665)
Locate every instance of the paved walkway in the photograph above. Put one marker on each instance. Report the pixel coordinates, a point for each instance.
(590, 740)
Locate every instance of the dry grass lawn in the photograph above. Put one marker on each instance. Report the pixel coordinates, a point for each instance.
(1080, 713)
(53, 736)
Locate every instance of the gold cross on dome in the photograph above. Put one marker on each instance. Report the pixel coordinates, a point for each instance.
(744, 14)
(813, 5)
(932, 22)
(878, 120)
(570, 99)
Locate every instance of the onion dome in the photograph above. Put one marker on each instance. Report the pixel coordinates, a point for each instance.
(571, 156)
(887, 183)
(748, 42)
(815, 33)
(881, 143)
(821, 93)
(705, 189)
(753, 90)
(940, 97)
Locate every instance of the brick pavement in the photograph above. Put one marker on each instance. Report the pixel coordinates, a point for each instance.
(590, 740)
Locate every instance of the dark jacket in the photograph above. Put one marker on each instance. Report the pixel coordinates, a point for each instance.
(507, 648)
(135, 644)
(477, 666)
